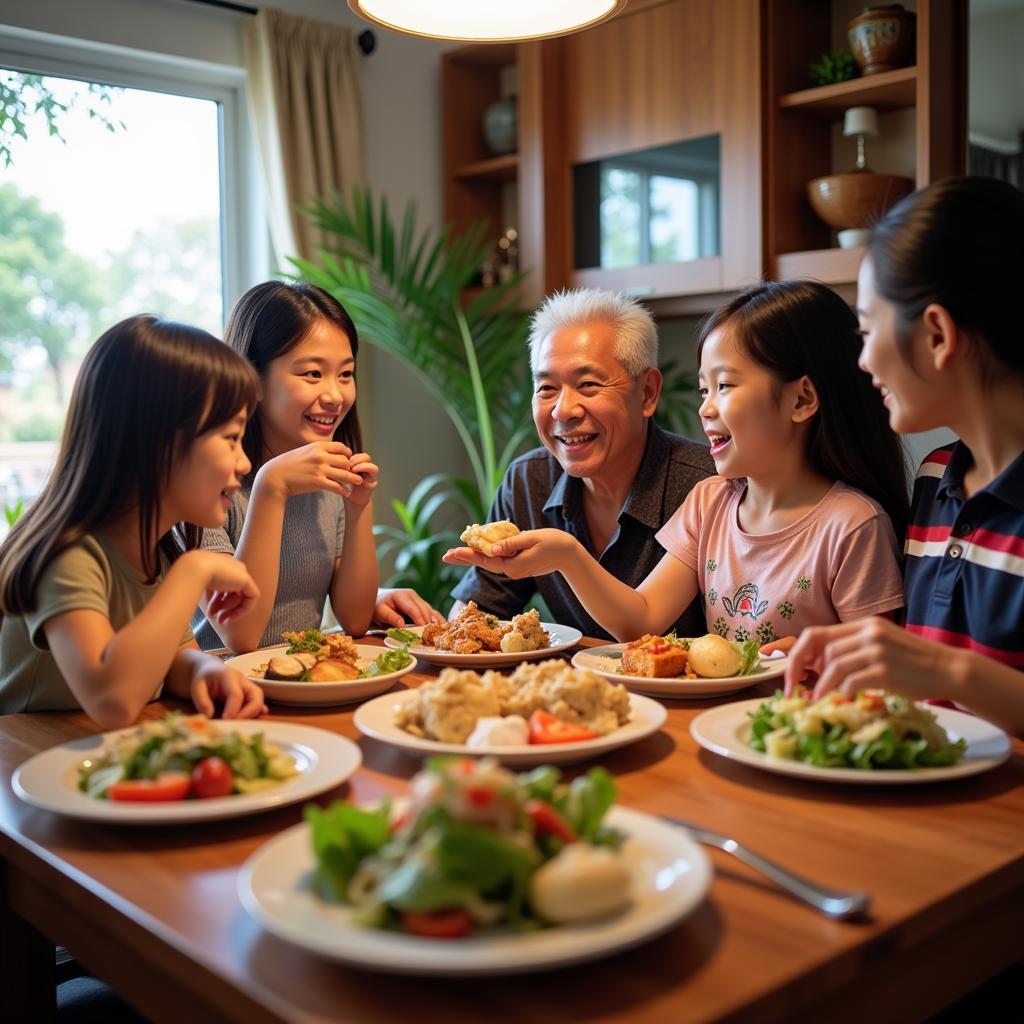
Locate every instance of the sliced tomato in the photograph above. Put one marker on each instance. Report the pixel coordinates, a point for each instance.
(212, 776)
(169, 786)
(480, 796)
(547, 821)
(438, 924)
(545, 728)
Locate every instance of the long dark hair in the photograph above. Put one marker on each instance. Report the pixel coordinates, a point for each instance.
(958, 243)
(270, 320)
(797, 328)
(146, 389)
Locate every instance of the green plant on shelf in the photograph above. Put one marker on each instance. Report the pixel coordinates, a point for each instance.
(829, 68)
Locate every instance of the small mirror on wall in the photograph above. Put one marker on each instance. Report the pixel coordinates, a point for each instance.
(656, 205)
(995, 90)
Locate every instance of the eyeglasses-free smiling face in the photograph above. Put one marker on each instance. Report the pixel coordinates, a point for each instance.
(746, 413)
(589, 412)
(204, 478)
(308, 391)
(913, 394)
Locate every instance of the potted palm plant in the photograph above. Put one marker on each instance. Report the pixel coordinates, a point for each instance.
(404, 289)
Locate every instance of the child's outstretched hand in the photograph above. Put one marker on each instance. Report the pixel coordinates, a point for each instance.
(362, 465)
(214, 681)
(530, 553)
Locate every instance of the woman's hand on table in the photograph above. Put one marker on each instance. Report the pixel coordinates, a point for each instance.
(530, 553)
(401, 606)
(868, 654)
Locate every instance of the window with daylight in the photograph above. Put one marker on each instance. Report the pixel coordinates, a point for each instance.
(110, 205)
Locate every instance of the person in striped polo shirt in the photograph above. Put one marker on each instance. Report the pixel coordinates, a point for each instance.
(939, 308)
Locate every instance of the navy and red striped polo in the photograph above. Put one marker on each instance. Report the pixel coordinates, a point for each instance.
(965, 558)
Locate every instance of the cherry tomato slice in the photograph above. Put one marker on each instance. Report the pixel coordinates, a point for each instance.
(545, 728)
(438, 924)
(212, 776)
(547, 821)
(169, 786)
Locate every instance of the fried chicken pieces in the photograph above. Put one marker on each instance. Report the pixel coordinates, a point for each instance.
(474, 631)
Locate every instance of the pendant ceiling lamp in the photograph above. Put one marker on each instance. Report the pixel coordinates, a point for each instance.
(487, 21)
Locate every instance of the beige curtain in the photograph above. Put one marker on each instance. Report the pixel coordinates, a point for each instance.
(306, 104)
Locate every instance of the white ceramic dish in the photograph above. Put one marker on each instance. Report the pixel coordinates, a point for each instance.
(606, 660)
(724, 730)
(318, 694)
(50, 779)
(670, 874)
(376, 718)
(562, 638)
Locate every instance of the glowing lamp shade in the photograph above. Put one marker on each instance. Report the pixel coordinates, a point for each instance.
(487, 21)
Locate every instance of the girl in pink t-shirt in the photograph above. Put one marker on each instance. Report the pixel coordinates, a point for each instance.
(798, 527)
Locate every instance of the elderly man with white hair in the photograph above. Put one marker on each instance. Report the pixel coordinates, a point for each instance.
(607, 473)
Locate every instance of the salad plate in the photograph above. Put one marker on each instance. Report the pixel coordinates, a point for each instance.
(724, 730)
(562, 639)
(324, 760)
(607, 660)
(319, 694)
(670, 876)
(376, 718)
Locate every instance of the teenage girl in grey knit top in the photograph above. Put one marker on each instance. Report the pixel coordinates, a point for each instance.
(302, 520)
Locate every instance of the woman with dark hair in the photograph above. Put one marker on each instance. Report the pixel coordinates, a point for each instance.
(938, 299)
(99, 577)
(797, 528)
(301, 522)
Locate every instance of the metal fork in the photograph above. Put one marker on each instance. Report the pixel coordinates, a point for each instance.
(832, 902)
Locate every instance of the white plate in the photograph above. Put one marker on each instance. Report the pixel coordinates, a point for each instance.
(670, 876)
(562, 638)
(724, 730)
(376, 718)
(318, 694)
(606, 660)
(325, 760)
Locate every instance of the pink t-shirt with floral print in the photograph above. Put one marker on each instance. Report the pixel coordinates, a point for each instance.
(838, 562)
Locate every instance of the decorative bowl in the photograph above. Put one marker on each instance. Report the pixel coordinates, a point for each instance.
(501, 126)
(856, 200)
(883, 38)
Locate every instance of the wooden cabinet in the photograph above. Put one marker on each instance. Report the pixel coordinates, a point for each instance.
(672, 70)
(802, 123)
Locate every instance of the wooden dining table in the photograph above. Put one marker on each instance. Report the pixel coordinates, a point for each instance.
(154, 911)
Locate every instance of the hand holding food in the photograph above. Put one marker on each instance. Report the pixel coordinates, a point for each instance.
(478, 847)
(483, 538)
(526, 553)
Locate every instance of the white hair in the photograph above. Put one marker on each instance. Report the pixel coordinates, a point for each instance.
(636, 336)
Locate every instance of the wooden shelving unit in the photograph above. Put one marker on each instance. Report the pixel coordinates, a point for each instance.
(496, 168)
(800, 123)
(890, 90)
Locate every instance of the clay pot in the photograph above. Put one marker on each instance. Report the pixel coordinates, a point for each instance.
(883, 38)
(857, 200)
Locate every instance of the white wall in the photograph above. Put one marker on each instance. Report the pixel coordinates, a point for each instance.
(406, 433)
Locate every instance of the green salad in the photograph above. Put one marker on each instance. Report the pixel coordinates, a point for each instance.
(477, 847)
(870, 731)
(151, 761)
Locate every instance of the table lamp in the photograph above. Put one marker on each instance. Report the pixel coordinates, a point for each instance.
(860, 122)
